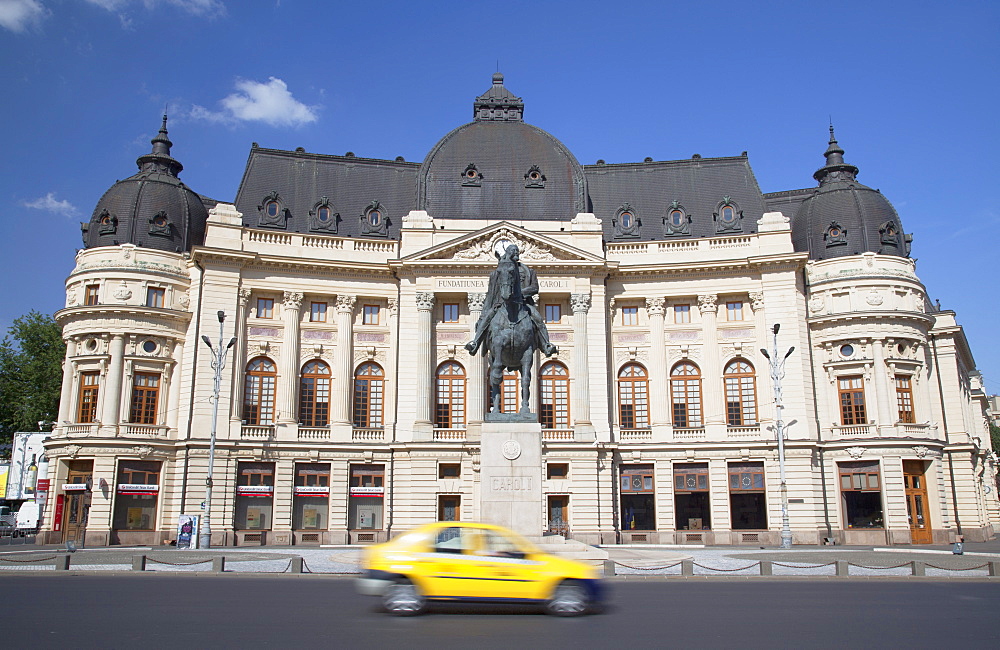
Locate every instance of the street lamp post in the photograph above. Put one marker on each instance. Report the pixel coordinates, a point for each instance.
(218, 363)
(777, 373)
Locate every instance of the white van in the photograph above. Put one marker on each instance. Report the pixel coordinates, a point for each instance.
(27, 519)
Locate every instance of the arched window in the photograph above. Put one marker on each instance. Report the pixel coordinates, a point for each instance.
(369, 384)
(449, 406)
(314, 395)
(554, 396)
(685, 395)
(741, 393)
(258, 392)
(633, 397)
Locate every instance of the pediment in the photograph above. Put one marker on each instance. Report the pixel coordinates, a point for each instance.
(478, 247)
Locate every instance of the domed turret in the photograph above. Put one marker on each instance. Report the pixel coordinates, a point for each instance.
(153, 208)
(498, 167)
(844, 217)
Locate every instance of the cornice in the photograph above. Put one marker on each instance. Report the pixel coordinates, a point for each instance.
(153, 315)
(881, 317)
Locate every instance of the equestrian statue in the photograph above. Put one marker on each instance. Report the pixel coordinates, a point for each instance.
(510, 327)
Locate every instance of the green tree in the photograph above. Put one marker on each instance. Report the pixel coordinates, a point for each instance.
(30, 373)
(995, 437)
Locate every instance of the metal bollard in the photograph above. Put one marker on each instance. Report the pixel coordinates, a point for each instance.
(62, 562)
(296, 565)
(219, 563)
(138, 562)
(918, 568)
(609, 568)
(765, 568)
(842, 569)
(687, 568)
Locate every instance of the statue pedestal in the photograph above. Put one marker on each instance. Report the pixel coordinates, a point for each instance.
(511, 476)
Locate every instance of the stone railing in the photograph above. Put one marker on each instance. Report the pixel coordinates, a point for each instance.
(368, 435)
(314, 433)
(79, 430)
(449, 435)
(689, 433)
(742, 432)
(635, 435)
(557, 435)
(256, 432)
(853, 431)
(142, 430)
(332, 243)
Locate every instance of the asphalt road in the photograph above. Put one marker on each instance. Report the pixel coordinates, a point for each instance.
(189, 611)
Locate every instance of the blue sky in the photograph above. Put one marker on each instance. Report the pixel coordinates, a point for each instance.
(912, 92)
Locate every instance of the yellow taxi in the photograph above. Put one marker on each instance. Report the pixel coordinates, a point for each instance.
(464, 561)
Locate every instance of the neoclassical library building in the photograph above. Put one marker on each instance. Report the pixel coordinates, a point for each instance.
(349, 409)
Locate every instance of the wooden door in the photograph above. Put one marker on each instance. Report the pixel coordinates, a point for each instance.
(76, 506)
(916, 502)
(559, 514)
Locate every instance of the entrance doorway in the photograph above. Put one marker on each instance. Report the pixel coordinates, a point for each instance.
(916, 502)
(559, 514)
(77, 503)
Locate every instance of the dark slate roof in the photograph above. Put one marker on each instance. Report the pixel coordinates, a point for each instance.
(843, 217)
(699, 185)
(301, 180)
(786, 202)
(153, 208)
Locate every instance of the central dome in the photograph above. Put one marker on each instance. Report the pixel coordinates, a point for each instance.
(498, 167)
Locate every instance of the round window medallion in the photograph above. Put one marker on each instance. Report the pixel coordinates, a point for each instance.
(324, 214)
(92, 344)
(900, 348)
(846, 350)
(149, 347)
(511, 449)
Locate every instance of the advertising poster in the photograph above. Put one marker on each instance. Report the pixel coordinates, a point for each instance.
(4, 473)
(187, 531)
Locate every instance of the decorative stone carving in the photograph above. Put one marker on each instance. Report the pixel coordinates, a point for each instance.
(483, 249)
(425, 300)
(292, 300)
(757, 300)
(183, 299)
(816, 304)
(142, 451)
(856, 452)
(244, 296)
(707, 302)
(476, 301)
(655, 305)
(71, 297)
(345, 304)
(392, 306)
(122, 293)
(920, 451)
(874, 298)
(579, 302)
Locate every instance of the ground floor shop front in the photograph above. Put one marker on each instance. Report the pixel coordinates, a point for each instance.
(600, 494)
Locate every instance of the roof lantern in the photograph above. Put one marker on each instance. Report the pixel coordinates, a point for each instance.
(498, 104)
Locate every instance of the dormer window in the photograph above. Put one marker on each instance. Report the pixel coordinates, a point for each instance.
(471, 176)
(159, 224)
(728, 217)
(534, 178)
(107, 223)
(626, 222)
(889, 233)
(322, 218)
(374, 220)
(273, 212)
(271, 209)
(835, 235)
(677, 222)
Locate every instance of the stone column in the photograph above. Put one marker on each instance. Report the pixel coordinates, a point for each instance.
(171, 377)
(424, 355)
(713, 411)
(475, 375)
(66, 400)
(885, 396)
(658, 394)
(112, 389)
(343, 360)
(580, 371)
(239, 360)
(288, 369)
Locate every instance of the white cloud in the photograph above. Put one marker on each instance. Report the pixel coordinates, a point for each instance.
(207, 8)
(19, 15)
(269, 102)
(50, 204)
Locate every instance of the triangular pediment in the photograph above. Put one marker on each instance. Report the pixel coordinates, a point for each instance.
(479, 246)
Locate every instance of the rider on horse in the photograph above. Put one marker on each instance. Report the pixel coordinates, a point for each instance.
(494, 301)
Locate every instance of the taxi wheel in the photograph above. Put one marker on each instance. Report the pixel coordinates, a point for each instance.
(570, 598)
(403, 599)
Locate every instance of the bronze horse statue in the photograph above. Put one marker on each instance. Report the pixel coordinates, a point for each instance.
(512, 335)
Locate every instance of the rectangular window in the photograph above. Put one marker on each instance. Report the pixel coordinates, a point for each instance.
(145, 394)
(449, 312)
(553, 313)
(370, 315)
(265, 308)
(254, 496)
(904, 399)
(317, 312)
(92, 293)
(449, 470)
(734, 310)
(312, 496)
(136, 495)
(861, 493)
(366, 496)
(154, 296)
(630, 316)
(557, 470)
(89, 390)
(638, 503)
(852, 401)
(746, 496)
(682, 313)
(691, 496)
(449, 507)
